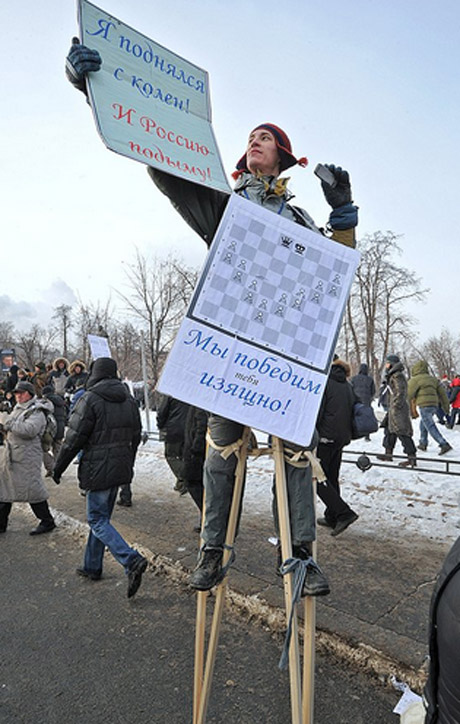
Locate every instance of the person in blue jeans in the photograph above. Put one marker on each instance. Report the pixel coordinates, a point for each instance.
(427, 393)
(106, 426)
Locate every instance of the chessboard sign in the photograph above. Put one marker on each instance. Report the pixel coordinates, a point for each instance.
(260, 332)
(150, 104)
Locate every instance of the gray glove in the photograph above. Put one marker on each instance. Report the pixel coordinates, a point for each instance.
(80, 61)
(340, 194)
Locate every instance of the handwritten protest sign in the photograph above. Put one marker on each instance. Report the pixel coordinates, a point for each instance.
(258, 337)
(99, 346)
(149, 103)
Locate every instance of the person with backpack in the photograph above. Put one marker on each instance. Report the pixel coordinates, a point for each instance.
(21, 459)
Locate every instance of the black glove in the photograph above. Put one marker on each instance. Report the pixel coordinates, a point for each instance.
(56, 477)
(340, 194)
(80, 61)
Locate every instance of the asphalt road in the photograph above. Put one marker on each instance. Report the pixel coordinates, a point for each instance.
(74, 651)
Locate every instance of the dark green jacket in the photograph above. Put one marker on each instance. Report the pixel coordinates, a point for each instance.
(425, 389)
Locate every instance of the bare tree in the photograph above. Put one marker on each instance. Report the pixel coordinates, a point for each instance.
(158, 297)
(90, 319)
(126, 349)
(63, 314)
(443, 353)
(7, 334)
(376, 322)
(36, 345)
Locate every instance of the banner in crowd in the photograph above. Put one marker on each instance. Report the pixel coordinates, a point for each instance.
(150, 104)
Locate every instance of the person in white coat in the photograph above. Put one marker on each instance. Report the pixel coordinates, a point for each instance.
(21, 459)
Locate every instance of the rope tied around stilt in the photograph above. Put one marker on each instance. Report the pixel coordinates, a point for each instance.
(225, 450)
(298, 567)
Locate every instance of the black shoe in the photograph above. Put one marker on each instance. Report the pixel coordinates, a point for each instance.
(324, 522)
(208, 572)
(135, 575)
(88, 574)
(43, 528)
(343, 524)
(124, 503)
(421, 447)
(411, 462)
(445, 448)
(316, 583)
(387, 457)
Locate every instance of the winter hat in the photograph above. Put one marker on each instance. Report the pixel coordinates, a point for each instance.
(25, 387)
(48, 390)
(283, 144)
(393, 359)
(102, 368)
(41, 366)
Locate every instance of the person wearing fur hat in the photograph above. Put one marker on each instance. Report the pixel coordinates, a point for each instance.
(77, 376)
(59, 375)
(21, 459)
(397, 423)
(268, 153)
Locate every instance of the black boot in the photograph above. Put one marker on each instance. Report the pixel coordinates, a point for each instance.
(411, 462)
(208, 572)
(388, 456)
(315, 583)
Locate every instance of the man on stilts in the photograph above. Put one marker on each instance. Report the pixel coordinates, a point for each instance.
(268, 154)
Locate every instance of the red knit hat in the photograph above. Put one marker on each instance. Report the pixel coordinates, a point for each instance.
(283, 144)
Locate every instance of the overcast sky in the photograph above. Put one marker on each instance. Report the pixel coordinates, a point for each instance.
(371, 86)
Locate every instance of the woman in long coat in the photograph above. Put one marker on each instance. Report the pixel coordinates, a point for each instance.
(21, 459)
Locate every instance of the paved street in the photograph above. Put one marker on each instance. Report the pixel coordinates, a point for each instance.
(78, 652)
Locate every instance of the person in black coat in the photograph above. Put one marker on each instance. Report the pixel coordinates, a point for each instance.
(183, 429)
(364, 387)
(442, 691)
(60, 413)
(105, 424)
(334, 425)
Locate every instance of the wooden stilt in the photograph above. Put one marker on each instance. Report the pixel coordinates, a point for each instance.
(200, 631)
(308, 686)
(286, 552)
(201, 702)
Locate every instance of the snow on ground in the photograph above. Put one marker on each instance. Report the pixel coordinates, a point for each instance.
(391, 502)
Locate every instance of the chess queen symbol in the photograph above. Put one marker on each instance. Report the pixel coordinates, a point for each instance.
(299, 248)
(286, 241)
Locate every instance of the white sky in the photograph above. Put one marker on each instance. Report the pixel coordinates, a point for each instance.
(369, 86)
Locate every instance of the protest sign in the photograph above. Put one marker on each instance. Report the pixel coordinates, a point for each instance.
(150, 104)
(99, 346)
(258, 337)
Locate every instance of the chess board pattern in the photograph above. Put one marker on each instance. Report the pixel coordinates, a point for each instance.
(283, 291)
